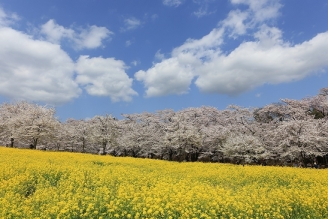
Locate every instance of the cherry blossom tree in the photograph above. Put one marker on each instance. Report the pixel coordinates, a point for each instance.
(59, 142)
(78, 134)
(245, 148)
(7, 112)
(143, 134)
(30, 123)
(288, 130)
(294, 129)
(103, 132)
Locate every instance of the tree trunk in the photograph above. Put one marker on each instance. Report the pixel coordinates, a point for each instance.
(170, 154)
(125, 153)
(104, 144)
(34, 144)
(83, 145)
(12, 142)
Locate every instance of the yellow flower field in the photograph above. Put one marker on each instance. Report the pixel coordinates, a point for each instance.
(40, 184)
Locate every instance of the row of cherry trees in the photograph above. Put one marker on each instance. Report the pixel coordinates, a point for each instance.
(292, 130)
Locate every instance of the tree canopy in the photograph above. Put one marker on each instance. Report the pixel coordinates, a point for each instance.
(291, 130)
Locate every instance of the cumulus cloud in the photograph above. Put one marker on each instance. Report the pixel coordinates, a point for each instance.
(257, 12)
(267, 58)
(54, 32)
(131, 24)
(173, 3)
(159, 56)
(262, 10)
(204, 8)
(203, 11)
(39, 70)
(154, 17)
(128, 43)
(236, 22)
(84, 38)
(135, 63)
(171, 76)
(7, 19)
(202, 48)
(174, 75)
(92, 37)
(34, 70)
(104, 77)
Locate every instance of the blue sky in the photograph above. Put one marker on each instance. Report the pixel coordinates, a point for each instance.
(92, 57)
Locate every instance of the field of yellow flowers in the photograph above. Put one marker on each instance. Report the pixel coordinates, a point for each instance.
(41, 184)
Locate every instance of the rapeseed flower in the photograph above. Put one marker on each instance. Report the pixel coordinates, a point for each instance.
(38, 184)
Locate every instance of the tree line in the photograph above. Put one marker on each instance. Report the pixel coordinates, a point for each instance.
(291, 131)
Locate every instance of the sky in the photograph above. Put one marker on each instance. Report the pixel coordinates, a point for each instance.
(97, 57)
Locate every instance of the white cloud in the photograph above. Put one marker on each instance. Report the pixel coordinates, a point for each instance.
(174, 75)
(201, 12)
(171, 76)
(268, 60)
(128, 43)
(7, 19)
(269, 36)
(159, 56)
(92, 37)
(54, 32)
(262, 10)
(257, 13)
(34, 70)
(135, 63)
(203, 9)
(104, 77)
(154, 17)
(236, 22)
(203, 47)
(39, 70)
(131, 24)
(87, 38)
(174, 3)
(265, 59)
